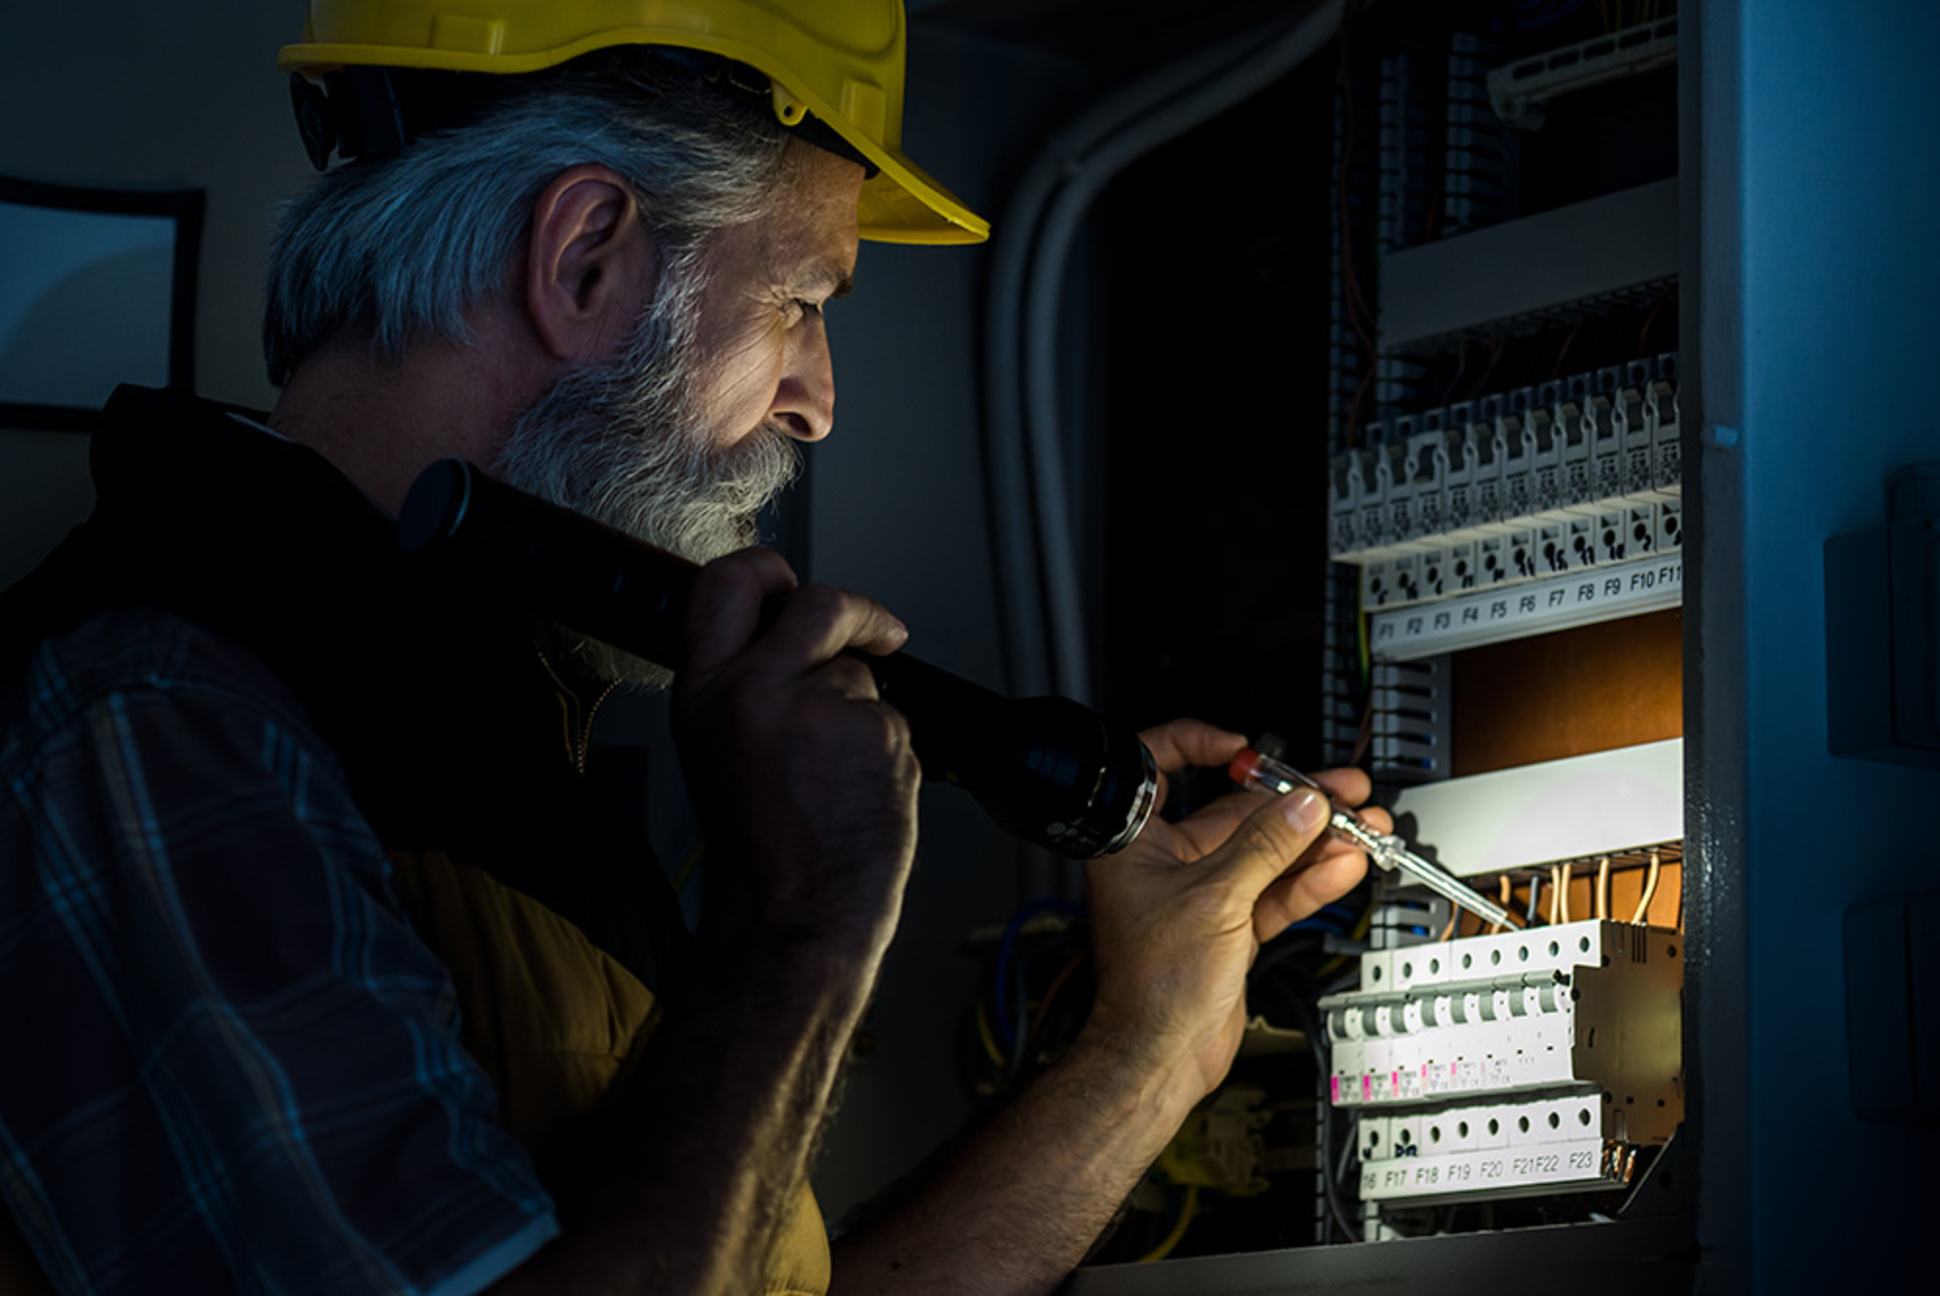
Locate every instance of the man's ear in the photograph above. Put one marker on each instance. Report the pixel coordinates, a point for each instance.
(589, 264)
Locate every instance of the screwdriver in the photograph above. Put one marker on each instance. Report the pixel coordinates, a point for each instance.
(1253, 770)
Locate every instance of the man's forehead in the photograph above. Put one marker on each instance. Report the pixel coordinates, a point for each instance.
(814, 223)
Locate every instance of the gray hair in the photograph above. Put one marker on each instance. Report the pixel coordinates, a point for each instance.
(403, 248)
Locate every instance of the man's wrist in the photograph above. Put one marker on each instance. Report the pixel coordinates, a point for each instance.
(1139, 1086)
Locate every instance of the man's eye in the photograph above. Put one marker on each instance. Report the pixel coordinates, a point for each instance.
(802, 308)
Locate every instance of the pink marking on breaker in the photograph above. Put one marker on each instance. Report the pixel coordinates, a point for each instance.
(1394, 1083)
(1336, 1083)
(1367, 1088)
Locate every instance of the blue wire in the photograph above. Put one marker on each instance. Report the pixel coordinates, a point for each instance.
(1031, 909)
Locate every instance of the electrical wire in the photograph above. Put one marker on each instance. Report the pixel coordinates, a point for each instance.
(1186, 1211)
(1360, 634)
(1005, 947)
(1322, 1049)
(1535, 890)
(1023, 1032)
(1057, 984)
(1642, 913)
(1603, 887)
(1364, 736)
(1562, 352)
(1564, 879)
(1643, 334)
(983, 1033)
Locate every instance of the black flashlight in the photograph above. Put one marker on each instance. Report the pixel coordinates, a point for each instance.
(1050, 770)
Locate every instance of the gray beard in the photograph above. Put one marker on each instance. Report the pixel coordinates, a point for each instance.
(625, 444)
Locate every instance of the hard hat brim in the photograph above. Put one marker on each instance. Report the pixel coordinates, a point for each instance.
(900, 204)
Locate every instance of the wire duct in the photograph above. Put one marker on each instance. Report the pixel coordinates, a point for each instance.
(1031, 500)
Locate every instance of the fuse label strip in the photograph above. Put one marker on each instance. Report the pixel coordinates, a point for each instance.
(1580, 1164)
(1494, 616)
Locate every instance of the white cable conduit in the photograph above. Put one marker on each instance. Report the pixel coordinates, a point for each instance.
(1026, 457)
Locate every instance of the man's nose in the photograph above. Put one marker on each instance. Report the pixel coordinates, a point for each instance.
(805, 397)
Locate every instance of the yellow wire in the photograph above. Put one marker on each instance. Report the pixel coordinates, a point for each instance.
(989, 1040)
(1164, 1249)
(1642, 913)
(1360, 632)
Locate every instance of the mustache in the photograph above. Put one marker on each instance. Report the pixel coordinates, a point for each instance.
(746, 476)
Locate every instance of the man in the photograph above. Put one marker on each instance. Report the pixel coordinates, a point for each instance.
(335, 972)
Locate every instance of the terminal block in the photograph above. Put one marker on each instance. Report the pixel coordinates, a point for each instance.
(1517, 486)
(1408, 720)
(1534, 1061)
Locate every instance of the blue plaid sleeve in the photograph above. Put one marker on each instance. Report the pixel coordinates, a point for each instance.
(229, 1062)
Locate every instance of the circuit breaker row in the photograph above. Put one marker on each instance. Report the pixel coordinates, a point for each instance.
(1474, 1151)
(1516, 486)
(1502, 1064)
(1581, 544)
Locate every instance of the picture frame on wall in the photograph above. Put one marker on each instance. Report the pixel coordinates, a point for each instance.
(97, 288)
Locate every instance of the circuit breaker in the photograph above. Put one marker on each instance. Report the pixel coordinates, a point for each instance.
(1533, 1061)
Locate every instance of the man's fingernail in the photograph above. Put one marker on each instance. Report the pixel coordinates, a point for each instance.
(1304, 808)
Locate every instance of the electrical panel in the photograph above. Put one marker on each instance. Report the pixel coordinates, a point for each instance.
(1521, 513)
(1505, 476)
(1485, 490)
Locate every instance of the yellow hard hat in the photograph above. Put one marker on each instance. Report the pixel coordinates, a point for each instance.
(841, 60)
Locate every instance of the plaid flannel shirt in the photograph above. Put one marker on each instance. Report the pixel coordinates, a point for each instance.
(229, 1062)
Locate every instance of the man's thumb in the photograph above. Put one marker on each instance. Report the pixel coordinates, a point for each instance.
(1276, 835)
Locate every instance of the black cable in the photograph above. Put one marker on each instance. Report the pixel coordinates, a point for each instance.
(1287, 945)
(1323, 1068)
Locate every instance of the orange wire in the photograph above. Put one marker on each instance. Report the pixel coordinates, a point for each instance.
(1057, 984)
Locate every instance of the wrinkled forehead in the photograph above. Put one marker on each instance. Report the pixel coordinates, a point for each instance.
(812, 222)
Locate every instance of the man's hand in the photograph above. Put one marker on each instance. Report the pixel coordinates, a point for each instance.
(804, 780)
(1176, 921)
(807, 788)
(1178, 917)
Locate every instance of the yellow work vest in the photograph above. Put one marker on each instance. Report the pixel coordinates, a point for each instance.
(552, 1020)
